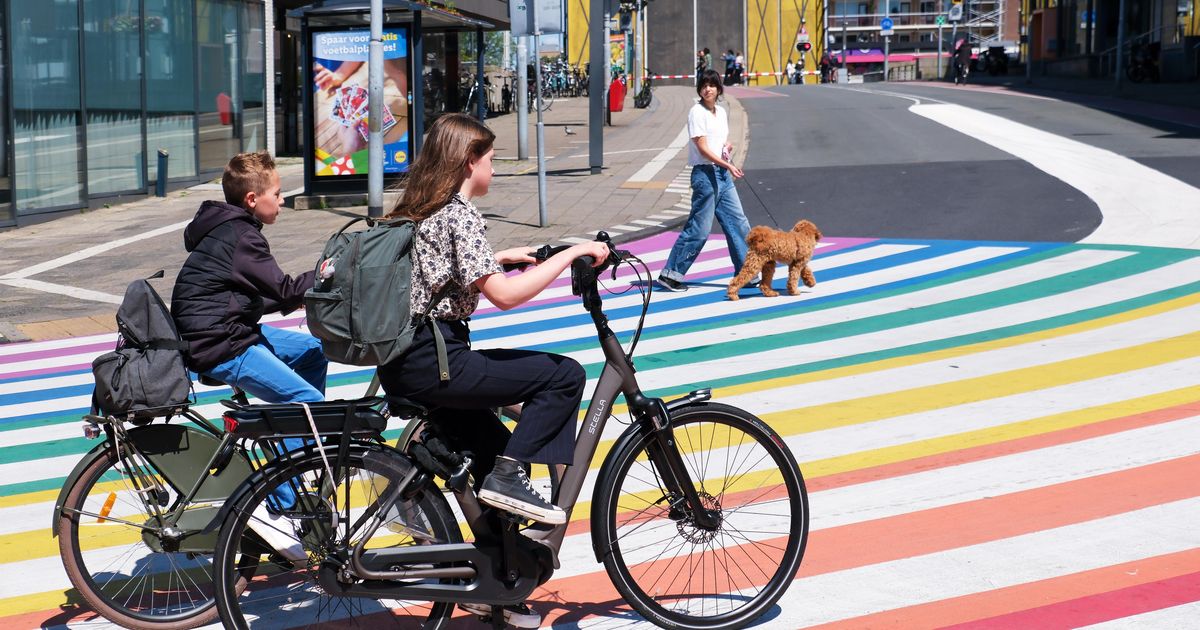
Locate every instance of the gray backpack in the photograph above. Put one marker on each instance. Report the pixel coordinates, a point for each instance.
(359, 304)
(145, 377)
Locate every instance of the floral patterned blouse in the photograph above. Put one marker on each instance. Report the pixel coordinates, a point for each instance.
(451, 247)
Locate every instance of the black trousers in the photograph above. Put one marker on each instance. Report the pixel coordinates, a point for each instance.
(549, 386)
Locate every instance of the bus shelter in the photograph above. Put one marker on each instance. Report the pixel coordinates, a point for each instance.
(335, 40)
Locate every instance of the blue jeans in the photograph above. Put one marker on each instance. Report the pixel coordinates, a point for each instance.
(283, 367)
(712, 194)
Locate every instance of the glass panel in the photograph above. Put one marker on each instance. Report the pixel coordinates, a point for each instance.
(45, 100)
(112, 72)
(254, 86)
(6, 211)
(170, 88)
(217, 44)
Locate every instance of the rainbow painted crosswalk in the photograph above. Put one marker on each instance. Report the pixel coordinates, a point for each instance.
(994, 434)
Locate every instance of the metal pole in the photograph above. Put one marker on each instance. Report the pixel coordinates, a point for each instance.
(269, 58)
(596, 87)
(939, 64)
(887, 9)
(543, 220)
(607, 68)
(1121, 25)
(375, 113)
(418, 86)
(522, 89)
(844, 49)
(1028, 42)
(779, 39)
(480, 95)
(695, 42)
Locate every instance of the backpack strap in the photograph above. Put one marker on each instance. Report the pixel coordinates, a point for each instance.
(438, 339)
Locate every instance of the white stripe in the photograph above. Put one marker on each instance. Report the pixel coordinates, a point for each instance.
(84, 254)
(1140, 205)
(656, 164)
(60, 289)
(645, 222)
(575, 239)
(625, 228)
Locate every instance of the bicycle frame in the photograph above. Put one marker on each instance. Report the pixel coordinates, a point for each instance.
(521, 569)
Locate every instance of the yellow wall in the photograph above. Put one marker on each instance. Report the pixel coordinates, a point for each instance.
(765, 38)
(577, 32)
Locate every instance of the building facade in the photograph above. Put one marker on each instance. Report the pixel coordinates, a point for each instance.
(94, 90)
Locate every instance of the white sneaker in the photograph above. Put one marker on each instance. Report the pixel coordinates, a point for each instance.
(516, 615)
(279, 532)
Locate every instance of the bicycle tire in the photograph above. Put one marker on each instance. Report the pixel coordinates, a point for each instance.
(102, 586)
(306, 604)
(633, 517)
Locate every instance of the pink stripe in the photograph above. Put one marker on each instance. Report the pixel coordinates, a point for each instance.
(57, 369)
(97, 348)
(1084, 611)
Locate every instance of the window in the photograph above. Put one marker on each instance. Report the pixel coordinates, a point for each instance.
(170, 88)
(45, 101)
(113, 96)
(220, 105)
(254, 86)
(6, 211)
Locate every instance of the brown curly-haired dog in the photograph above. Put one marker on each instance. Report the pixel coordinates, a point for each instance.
(767, 245)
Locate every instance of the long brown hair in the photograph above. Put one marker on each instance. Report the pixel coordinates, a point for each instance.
(437, 173)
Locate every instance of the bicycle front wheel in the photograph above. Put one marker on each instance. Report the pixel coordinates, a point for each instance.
(678, 574)
(124, 572)
(327, 521)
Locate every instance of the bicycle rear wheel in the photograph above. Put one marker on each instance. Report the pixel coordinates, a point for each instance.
(326, 524)
(678, 574)
(111, 562)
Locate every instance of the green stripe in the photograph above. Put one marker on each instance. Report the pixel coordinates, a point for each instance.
(940, 344)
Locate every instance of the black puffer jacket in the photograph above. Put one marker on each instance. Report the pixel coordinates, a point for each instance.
(227, 283)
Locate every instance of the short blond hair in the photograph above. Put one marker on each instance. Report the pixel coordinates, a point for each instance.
(246, 173)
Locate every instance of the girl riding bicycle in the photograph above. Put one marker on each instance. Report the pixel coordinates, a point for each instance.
(453, 259)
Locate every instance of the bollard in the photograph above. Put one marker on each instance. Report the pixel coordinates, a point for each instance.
(160, 186)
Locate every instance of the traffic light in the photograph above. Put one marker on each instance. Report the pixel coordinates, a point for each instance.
(803, 47)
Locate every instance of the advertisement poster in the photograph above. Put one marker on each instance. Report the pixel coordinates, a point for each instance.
(617, 53)
(339, 84)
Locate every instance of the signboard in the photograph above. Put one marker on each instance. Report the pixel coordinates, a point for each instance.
(549, 17)
(885, 27)
(616, 49)
(339, 117)
(941, 19)
(955, 13)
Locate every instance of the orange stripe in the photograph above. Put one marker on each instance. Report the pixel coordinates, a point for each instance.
(1000, 449)
(1003, 601)
(953, 526)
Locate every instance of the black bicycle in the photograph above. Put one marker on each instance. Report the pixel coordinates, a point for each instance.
(642, 99)
(699, 512)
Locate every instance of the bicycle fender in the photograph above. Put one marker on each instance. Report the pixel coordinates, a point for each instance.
(88, 458)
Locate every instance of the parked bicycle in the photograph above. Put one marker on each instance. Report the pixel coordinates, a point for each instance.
(699, 512)
(1143, 62)
(642, 99)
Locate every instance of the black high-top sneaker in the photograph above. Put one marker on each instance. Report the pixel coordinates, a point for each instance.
(508, 488)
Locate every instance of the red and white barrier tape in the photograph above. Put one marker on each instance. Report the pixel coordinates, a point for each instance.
(746, 74)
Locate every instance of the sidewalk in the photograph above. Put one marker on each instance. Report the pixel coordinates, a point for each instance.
(70, 273)
(1177, 102)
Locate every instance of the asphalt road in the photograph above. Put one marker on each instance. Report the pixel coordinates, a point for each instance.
(858, 161)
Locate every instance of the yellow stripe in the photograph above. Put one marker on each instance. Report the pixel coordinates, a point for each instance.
(998, 434)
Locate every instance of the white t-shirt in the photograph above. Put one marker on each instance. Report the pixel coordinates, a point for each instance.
(714, 127)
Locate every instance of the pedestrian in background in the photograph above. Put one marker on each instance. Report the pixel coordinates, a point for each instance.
(707, 59)
(730, 59)
(699, 64)
(826, 64)
(790, 72)
(713, 194)
(739, 65)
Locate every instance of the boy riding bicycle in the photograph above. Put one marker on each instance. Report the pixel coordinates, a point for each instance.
(229, 281)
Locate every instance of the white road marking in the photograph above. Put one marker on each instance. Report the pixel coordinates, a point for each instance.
(656, 164)
(84, 254)
(1141, 206)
